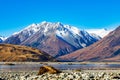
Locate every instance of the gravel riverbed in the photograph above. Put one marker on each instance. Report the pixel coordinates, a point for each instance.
(65, 75)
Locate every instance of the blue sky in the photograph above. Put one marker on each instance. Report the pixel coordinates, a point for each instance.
(84, 14)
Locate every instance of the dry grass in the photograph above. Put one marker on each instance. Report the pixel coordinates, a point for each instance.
(10, 53)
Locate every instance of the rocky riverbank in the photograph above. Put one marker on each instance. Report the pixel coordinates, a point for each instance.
(65, 75)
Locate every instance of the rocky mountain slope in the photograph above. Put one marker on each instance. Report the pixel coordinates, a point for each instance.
(54, 38)
(10, 53)
(107, 49)
(1, 40)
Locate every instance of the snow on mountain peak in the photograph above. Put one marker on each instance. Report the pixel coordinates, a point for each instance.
(44, 34)
(73, 29)
(101, 32)
(33, 28)
(66, 32)
(2, 38)
(43, 22)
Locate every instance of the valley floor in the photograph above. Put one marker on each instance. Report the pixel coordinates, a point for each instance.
(76, 74)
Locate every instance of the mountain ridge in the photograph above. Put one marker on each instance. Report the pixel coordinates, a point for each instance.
(35, 35)
(107, 49)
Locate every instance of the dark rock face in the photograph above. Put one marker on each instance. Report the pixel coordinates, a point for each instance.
(13, 40)
(1, 40)
(107, 49)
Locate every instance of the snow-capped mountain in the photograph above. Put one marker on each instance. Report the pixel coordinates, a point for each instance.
(75, 37)
(101, 32)
(107, 49)
(2, 39)
(54, 38)
(21, 36)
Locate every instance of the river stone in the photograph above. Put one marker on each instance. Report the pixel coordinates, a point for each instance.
(48, 69)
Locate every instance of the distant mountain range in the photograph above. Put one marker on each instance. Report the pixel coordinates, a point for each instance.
(10, 53)
(107, 49)
(55, 39)
(63, 42)
(101, 32)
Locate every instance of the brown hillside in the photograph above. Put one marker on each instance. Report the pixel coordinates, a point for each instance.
(50, 44)
(107, 49)
(10, 53)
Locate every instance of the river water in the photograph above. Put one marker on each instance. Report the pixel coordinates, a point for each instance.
(29, 67)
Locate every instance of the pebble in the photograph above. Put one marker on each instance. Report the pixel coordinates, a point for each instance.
(61, 76)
